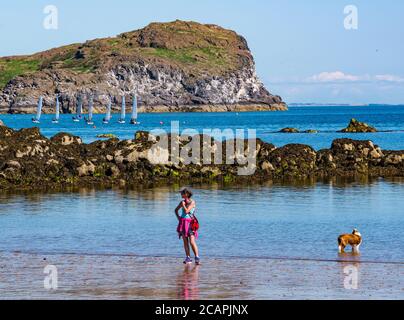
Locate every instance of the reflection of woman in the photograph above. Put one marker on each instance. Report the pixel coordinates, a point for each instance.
(188, 283)
(187, 207)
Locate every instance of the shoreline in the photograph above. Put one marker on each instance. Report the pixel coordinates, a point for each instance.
(214, 108)
(132, 278)
(345, 182)
(346, 257)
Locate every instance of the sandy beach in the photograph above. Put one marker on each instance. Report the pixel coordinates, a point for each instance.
(130, 277)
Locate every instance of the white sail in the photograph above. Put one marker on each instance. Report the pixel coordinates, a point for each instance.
(108, 114)
(123, 110)
(80, 107)
(38, 110)
(57, 115)
(134, 109)
(90, 110)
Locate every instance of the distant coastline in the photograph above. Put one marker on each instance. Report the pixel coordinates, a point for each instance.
(312, 104)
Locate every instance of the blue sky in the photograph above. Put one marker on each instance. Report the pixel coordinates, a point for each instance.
(301, 48)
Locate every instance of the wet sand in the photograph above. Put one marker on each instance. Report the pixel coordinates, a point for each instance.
(129, 277)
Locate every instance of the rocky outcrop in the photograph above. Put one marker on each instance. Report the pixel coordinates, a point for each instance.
(30, 160)
(356, 126)
(289, 130)
(294, 130)
(349, 157)
(106, 136)
(173, 67)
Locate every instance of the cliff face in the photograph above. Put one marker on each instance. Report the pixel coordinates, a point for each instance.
(173, 66)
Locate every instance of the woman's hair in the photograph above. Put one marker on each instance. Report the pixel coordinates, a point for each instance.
(187, 192)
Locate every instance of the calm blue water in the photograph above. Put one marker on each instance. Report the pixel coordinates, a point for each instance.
(260, 221)
(327, 120)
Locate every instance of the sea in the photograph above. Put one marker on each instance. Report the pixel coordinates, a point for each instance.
(389, 120)
(301, 220)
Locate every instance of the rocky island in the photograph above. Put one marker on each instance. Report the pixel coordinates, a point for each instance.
(173, 67)
(28, 160)
(356, 126)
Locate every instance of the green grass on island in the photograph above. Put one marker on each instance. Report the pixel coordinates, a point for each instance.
(194, 48)
(13, 67)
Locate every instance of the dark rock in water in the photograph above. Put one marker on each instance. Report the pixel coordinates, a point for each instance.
(144, 136)
(294, 130)
(28, 134)
(29, 160)
(393, 158)
(293, 160)
(356, 126)
(289, 130)
(5, 132)
(106, 136)
(66, 139)
(350, 157)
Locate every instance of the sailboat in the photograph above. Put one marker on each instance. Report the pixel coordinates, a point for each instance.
(89, 119)
(133, 119)
(56, 119)
(123, 111)
(108, 115)
(38, 111)
(79, 111)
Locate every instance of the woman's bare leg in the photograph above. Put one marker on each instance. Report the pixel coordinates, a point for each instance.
(186, 247)
(194, 246)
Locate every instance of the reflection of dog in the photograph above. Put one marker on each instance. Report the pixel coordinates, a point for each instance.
(354, 240)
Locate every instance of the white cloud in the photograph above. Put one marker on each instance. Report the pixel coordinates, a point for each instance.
(339, 77)
(388, 78)
(332, 77)
(341, 92)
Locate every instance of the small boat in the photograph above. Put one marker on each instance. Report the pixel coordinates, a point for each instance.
(89, 119)
(57, 115)
(123, 111)
(133, 119)
(108, 115)
(79, 111)
(38, 111)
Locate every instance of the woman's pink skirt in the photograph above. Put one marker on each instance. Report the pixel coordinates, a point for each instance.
(184, 229)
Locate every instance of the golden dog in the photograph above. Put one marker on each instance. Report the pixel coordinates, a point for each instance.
(354, 240)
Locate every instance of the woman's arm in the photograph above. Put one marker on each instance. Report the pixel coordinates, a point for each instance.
(178, 209)
(189, 208)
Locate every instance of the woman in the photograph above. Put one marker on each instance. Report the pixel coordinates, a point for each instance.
(187, 207)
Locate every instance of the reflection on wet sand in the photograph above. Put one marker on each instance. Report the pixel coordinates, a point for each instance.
(125, 277)
(349, 256)
(188, 283)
